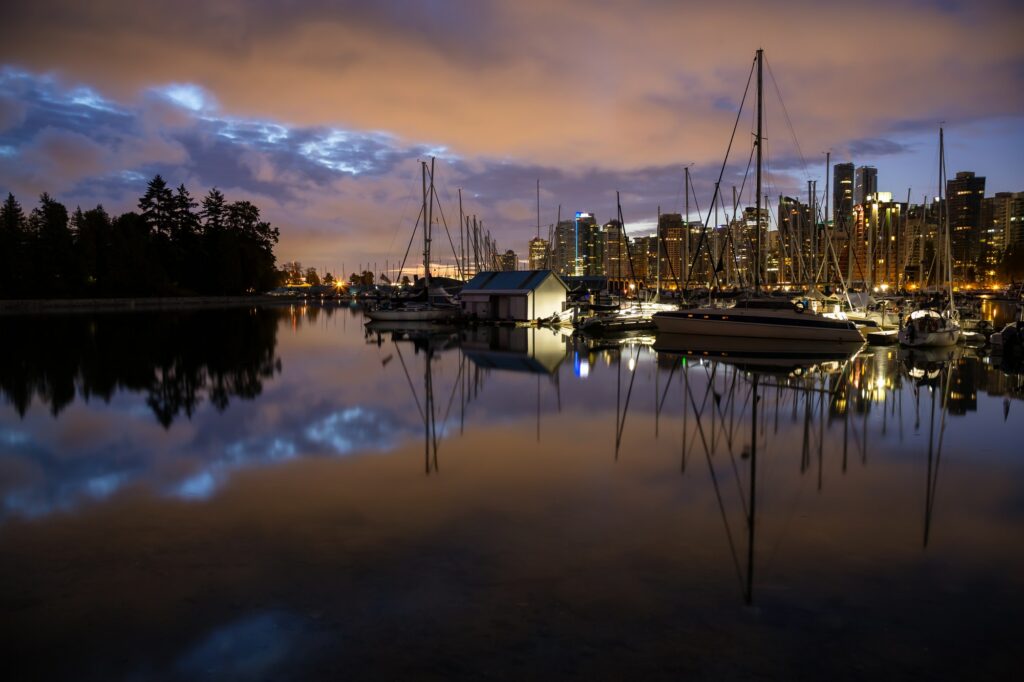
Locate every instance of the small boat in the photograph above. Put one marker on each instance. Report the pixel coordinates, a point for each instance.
(883, 337)
(927, 328)
(1008, 339)
(763, 318)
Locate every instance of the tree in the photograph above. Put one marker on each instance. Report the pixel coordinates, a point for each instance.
(92, 243)
(312, 278)
(13, 246)
(53, 248)
(166, 248)
(158, 206)
(329, 279)
(213, 211)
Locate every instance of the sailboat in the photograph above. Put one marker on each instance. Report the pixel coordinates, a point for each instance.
(424, 304)
(759, 317)
(925, 327)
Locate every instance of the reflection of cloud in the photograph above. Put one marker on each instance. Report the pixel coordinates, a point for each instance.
(248, 648)
(352, 429)
(85, 459)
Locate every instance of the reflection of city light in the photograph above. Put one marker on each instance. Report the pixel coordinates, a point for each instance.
(632, 364)
(584, 369)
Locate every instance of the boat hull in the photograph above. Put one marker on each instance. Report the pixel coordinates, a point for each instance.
(729, 322)
(424, 315)
(936, 339)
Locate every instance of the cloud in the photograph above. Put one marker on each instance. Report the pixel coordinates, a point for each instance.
(621, 84)
(876, 147)
(322, 109)
(12, 112)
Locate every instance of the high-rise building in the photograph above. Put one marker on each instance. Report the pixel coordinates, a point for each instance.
(672, 230)
(616, 251)
(964, 196)
(866, 184)
(1002, 218)
(842, 193)
(1008, 217)
(563, 251)
(794, 240)
(644, 251)
(921, 238)
(755, 224)
(539, 255)
(589, 245)
(879, 249)
(507, 262)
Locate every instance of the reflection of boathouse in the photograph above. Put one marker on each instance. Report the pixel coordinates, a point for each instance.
(519, 295)
(517, 349)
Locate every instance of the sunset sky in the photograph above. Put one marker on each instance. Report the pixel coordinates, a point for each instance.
(318, 111)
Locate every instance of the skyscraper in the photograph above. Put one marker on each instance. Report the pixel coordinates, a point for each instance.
(842, 192)
(1007, 212)
(964, 196)
(563, 251)
(866, 184)
(507, 262)
(672, 230)
(616, 251)
(1002, 227)
(589, 245)
(538, 257)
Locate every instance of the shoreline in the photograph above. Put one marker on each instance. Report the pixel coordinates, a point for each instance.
(73, 305)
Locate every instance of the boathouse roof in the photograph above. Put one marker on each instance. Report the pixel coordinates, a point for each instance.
(512, 281)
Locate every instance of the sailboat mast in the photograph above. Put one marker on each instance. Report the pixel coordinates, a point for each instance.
(538, 208)
(684, 267)
(462, 244)
(945, 218)
(426, 229)
(757, 215)
(824, 218)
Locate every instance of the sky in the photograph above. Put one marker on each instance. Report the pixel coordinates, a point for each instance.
(319, 111)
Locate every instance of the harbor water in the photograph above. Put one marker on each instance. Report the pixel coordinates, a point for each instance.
(285, 493)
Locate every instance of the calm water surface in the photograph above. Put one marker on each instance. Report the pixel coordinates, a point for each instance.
(277, 493)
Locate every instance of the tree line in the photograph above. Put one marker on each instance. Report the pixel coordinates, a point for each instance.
(172, 246)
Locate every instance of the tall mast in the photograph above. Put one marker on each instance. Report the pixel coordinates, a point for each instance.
(824, 219)
(945, 218)
(462, 244)
(426, 230)
(757, 216)
(657, 262)
(538, 208)
(684, 267)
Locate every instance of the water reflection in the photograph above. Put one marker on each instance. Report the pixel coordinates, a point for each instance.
(463, 500)
(175, 359)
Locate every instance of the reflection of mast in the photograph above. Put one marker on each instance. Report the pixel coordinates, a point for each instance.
(427, 408)
(620, 422)
(747, 581)
(933, 473)
(753, 489)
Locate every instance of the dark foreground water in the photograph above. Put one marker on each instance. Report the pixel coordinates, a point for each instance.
(276, 494)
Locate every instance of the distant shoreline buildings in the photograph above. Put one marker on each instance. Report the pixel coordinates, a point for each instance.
(867, 239)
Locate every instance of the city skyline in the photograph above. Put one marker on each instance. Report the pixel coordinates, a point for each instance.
(318, 113)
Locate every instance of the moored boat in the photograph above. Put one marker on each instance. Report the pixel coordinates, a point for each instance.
(762, 318)
(929, 329)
